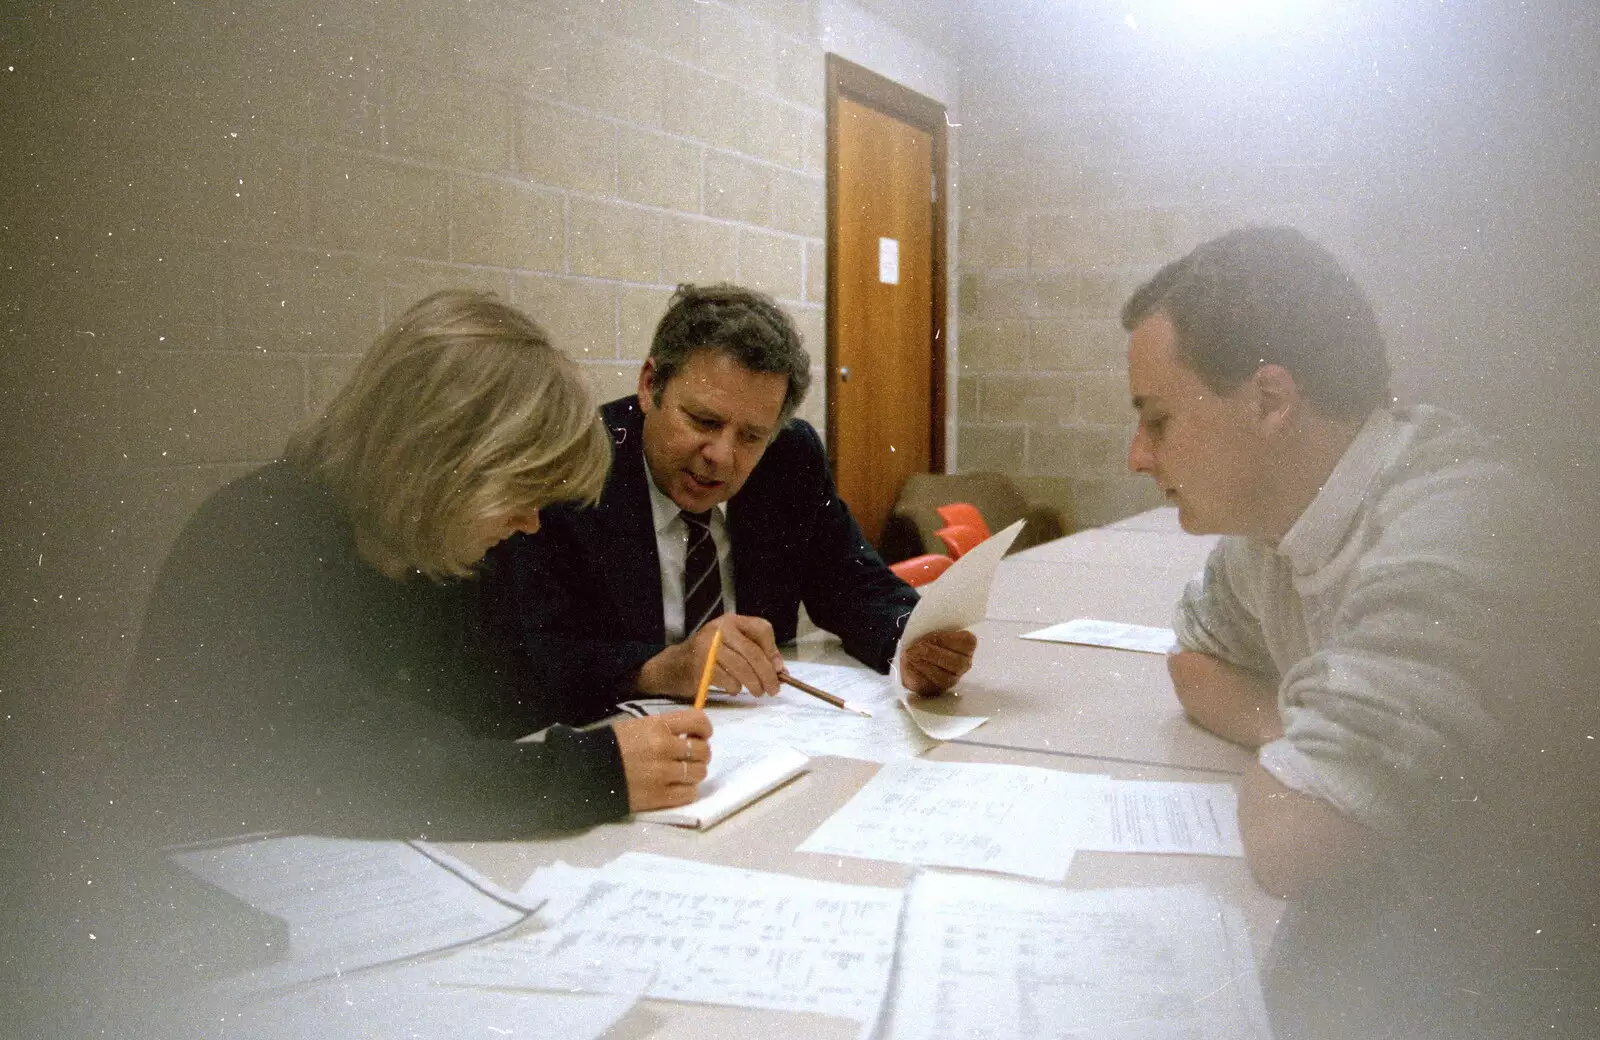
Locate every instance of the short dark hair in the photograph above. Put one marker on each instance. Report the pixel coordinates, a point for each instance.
(747, 325)
(1269, 295)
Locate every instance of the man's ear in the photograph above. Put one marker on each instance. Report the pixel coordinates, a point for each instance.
(647, 386)
(1277, 397)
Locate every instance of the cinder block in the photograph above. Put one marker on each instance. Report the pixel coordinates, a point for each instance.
(1051, 451)
(379, 206)
(801, 74)
(694, 249)
(812, 324)
(703, 107)
(994, 346)
(814, 145)
(608, 240)
(1079, 345)
(567, 149)
(511, 40)
(816, 272)
(734, 45)
(774, 131)
(612, 380)
(981, 446)
(617, 79)
(1101, 451)
(313, 300)
(407, 282)
(326, 376)
(799, 204)
(771, 263)
(793, 17)
(1102, 397)
(1043, 398)
(1057, 293)
(966, 399)
(737, 189)
(463, 122)
(669, 27)
(579, 315)
(990, 239)
(640, 309)
(195, 408)
(997, 295)
(658, 170)
(506, 224)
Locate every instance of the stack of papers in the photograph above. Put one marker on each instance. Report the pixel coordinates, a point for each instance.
(702, 933)
(1023, 820)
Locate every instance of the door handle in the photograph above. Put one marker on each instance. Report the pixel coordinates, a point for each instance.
(844, 373)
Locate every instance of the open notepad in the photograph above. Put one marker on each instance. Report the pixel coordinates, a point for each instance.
(731, 784)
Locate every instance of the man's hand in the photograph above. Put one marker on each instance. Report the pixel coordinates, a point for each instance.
(748, 660)
(1234, 704)
(937, 661)
(664, 758)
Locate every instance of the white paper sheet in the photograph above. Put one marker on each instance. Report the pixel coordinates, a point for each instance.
(1158, 816)
(711, 935)
(956, 814)
(732, 782)
(957, 599)
(405, 1003)
(348, 903)
(1115, 634)
(984, 958)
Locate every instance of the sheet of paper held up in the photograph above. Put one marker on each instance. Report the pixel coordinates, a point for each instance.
(710, 934)
(958, 598)
(1002, 818)
(404, 1002)
(349, 904)
(1143, 638)
(984, 957)
(733, 781)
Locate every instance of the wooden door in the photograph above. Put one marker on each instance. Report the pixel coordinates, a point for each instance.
(885, 298)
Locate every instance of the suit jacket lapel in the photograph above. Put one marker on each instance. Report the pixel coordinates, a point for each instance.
(625, 537)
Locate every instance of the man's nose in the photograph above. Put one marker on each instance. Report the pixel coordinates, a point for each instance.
(718, 448)
(1139, 457)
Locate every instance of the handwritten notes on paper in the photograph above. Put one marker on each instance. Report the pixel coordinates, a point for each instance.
(708, 934)
(982, 817)
(1114, 634)
(1023, 819)
(983, 957)
(350, 903)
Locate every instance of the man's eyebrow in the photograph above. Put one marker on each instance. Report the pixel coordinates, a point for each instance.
(1140, 400)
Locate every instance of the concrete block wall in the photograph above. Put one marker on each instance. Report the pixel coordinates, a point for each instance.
(216, 207)
(1098, 144)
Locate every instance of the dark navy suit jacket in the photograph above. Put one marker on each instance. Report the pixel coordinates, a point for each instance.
(583, 595)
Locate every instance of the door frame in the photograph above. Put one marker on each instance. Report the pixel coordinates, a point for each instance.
(863, 86)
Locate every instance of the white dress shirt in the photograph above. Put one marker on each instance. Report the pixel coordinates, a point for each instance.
(672, 547)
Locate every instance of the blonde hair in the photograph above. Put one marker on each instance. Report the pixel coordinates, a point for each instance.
(460, 411)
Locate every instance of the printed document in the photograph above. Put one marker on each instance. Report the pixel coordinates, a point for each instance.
(983, 957)
(1143, 638)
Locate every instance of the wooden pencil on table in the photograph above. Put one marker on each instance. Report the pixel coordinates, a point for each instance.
(837, 702)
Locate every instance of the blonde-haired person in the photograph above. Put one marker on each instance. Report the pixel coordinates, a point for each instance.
(310, 643)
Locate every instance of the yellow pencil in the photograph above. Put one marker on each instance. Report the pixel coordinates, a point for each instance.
(711, 666)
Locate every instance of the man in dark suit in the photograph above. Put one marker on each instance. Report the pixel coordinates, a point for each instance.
(719, 515)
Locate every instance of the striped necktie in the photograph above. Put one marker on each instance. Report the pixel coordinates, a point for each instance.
(702, 578)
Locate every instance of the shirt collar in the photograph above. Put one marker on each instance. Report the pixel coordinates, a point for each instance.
(1325, 524)
(663, 510)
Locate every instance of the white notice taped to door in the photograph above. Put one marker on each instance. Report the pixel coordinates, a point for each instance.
(889, 261)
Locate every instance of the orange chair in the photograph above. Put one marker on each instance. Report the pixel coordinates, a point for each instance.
(920, 570)
(960, 538)
(965, 514)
